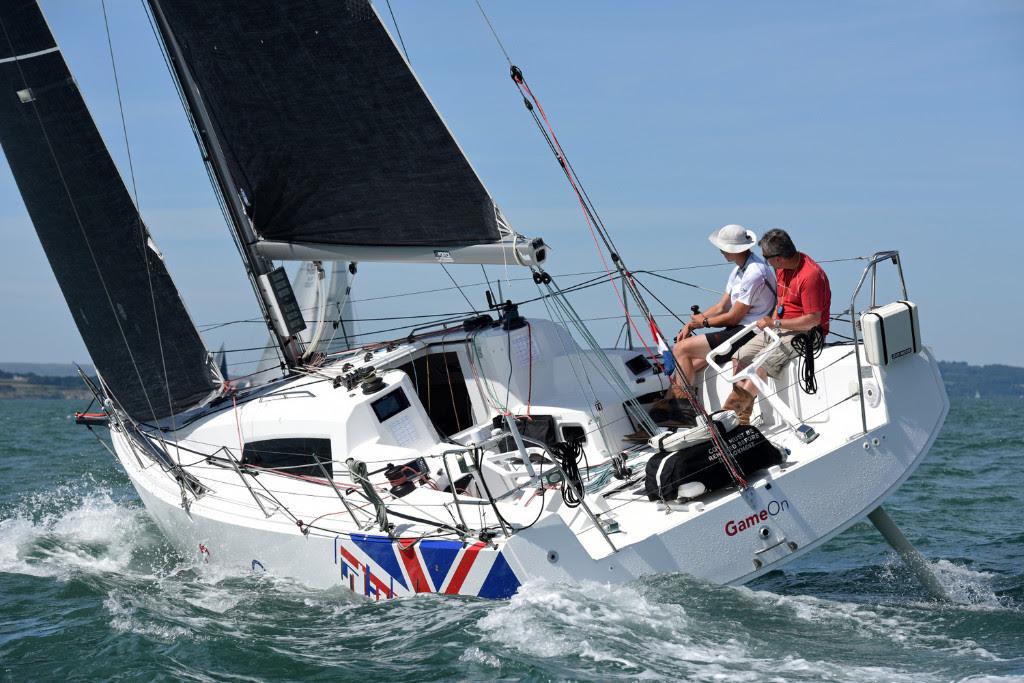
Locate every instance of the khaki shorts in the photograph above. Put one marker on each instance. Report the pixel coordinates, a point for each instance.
(777, 359)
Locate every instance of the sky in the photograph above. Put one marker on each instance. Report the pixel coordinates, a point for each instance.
(858, 127)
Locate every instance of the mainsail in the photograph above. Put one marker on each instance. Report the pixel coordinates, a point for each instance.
(129, 313)
(328, 136)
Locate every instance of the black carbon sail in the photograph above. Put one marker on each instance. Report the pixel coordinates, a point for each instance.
(328, 136)
(121, 296)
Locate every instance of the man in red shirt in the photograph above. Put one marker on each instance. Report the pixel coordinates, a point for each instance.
(804, 297)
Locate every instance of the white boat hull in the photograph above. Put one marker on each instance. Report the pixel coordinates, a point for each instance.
(729, 537)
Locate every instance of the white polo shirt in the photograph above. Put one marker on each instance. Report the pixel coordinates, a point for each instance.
(753, 285)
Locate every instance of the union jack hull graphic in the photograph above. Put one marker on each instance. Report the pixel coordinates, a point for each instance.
(381, 567)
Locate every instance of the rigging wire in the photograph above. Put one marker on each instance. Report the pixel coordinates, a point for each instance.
(594, 223)
(399, 32)
(554, 312)
(437, 318)
(81, 226)
(451, 316)
(657, 274)
(699, 266)
(487, 280)
(340, 305)
(461, 290)
(528, 278)
(403, 295)
(664, 305)
(598, 229)
(375, 340)
(143, 237)
(611, 374)
(494, 33)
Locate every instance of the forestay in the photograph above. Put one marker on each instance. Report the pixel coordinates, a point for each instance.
(121, 296)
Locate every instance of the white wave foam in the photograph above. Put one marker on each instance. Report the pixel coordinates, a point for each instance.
(336, 601)
(84, 534)
(966, 587)
(874, 621)
(970, 588)
(840, 671)
(474, 655)
(213, 599)
(644, 638)
(549, 620)
(124, 618)
(17, 537)
(862, 618)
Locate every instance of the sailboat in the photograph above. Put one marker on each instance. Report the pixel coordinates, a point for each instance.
(464, 458)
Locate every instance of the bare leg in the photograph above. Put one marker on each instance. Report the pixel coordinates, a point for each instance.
(690, 354)
(697, 364)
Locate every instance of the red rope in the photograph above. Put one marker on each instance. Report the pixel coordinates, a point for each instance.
(560, 155)
(238, 425)
(583, 205)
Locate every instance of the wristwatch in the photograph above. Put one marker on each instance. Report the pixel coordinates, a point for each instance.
(706, 324)
(778, 324)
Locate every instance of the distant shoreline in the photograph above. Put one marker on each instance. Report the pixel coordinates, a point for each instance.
(60, 381)
(982, 381)
(29, 385)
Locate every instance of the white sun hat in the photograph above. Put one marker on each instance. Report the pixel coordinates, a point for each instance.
(733, 239)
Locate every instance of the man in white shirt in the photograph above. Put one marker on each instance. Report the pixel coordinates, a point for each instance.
(749, 296)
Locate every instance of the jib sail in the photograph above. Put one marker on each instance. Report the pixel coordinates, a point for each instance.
(121, 296)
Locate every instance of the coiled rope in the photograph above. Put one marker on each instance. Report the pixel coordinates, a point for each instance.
(568, 455)
(809, 345)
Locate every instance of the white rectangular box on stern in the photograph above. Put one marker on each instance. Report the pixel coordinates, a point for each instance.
(890, 332)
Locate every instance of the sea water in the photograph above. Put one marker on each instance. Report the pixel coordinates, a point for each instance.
(89, 590)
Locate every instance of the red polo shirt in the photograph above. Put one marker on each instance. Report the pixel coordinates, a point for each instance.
(804, 290)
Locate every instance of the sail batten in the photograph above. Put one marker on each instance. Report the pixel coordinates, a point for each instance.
(328, 135)
(128, 311)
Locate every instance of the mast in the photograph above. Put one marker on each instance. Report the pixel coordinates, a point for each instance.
(272, 287)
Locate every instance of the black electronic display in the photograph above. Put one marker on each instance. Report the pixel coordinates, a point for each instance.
(387, 407)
